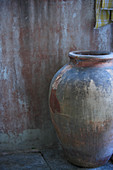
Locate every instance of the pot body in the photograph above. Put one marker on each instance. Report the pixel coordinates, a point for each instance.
(81, 106)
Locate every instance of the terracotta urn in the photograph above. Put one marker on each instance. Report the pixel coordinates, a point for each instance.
(81, 107)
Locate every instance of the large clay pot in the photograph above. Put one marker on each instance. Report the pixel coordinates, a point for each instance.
(81, 106)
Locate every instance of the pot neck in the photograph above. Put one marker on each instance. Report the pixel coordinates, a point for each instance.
(91, 58)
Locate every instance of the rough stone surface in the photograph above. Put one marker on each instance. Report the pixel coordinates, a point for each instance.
(35, 38)
(23, 161)
(49, 159)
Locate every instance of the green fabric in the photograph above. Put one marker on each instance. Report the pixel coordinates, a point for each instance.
(104, 12)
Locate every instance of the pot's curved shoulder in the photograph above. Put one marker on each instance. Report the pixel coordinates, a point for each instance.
(54, 103)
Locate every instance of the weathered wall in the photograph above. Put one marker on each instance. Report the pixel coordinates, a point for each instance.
(112, 37)
(35, 38)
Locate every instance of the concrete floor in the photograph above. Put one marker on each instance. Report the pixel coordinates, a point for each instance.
(49, 159)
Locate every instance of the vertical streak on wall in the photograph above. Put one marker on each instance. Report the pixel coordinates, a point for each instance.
(112, 38)
(35, 38)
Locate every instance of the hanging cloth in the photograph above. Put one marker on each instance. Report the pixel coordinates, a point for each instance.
(104, 12)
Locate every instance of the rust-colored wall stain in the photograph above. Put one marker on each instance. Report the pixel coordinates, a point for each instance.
(54, 103)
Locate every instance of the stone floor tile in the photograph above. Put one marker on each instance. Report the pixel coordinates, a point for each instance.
(23, 161)
(49, 159)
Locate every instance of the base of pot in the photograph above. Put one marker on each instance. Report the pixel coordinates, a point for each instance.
(87, 164)
(84, 161)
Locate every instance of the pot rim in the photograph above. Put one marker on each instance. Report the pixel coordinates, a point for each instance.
(87, 54)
